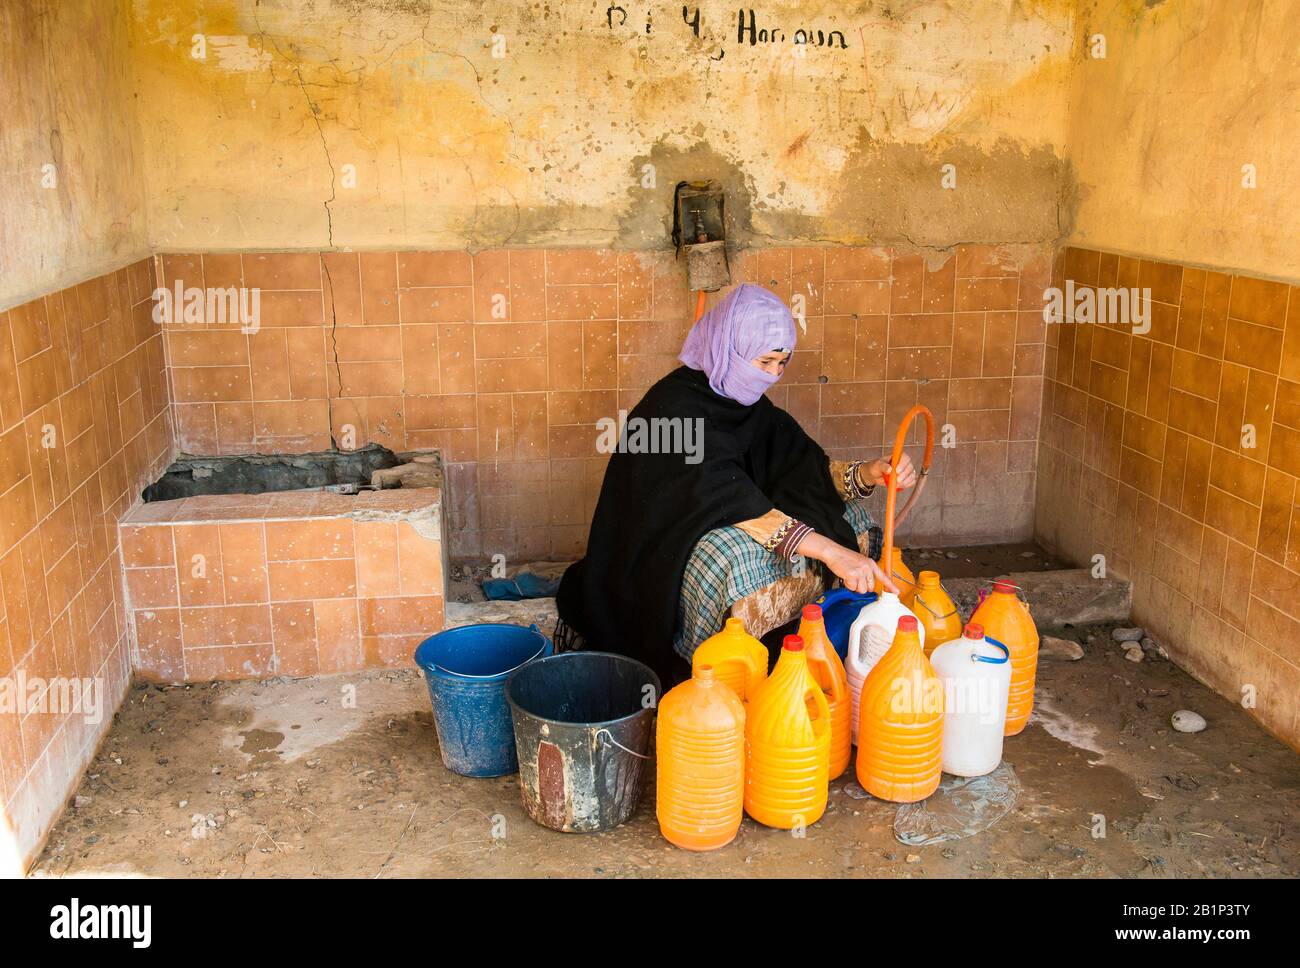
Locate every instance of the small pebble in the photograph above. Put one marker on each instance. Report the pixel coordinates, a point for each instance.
(1152, 647)
(1026, 554)
(1187, 721)
(1127, 635)
(1053, 648)
(951, 554)
(913, 858)
(1134, 655)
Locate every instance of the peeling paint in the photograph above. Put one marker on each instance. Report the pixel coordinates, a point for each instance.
(236, 54)
(546, 144)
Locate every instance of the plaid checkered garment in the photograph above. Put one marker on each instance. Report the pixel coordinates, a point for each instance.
(727, 564)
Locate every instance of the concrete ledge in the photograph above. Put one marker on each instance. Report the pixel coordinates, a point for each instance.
(1056, 598)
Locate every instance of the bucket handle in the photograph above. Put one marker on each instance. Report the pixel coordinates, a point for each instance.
(1006, 653)
(922, 602)
(605, 733)
(462, 675)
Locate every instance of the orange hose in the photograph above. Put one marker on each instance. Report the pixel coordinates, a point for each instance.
(891, 485)
(699, 306)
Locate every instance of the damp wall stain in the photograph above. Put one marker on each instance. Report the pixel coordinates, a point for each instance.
(428, 123)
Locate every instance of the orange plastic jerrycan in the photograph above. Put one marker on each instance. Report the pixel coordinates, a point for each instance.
(825, 665)
(936, 612)
(1006, 619)
(738, 659)
(902, 576)
(787, 744)
(900, 722)
(700, 738)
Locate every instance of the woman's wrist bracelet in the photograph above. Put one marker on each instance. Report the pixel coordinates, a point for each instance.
(853, 480)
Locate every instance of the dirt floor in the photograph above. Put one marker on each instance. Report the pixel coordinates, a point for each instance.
(340, 776)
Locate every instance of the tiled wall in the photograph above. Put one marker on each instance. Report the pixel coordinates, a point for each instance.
(506, 359)
(291, 584)
(84, 424)
(1147, 459)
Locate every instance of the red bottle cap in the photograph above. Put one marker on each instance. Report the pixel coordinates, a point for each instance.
(1005, 586)
(973, 631)
(793, 644)
(812, 613)
(907, 623)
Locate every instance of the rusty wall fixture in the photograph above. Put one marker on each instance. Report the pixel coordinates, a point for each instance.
(699, 227)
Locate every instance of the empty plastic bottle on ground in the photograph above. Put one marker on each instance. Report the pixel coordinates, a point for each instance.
(1004, 617)
(787, 744)
(976, 674)
(827, 669)
(935, 611)
(738, 659)
(900, 734)
(700, 743)
(870, 638)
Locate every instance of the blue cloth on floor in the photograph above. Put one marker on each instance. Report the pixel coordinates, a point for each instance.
(523, 585)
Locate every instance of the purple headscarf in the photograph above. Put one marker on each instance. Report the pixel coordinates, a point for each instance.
(748, 323)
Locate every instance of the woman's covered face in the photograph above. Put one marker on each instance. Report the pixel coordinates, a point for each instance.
(773, 362)
(743, 343)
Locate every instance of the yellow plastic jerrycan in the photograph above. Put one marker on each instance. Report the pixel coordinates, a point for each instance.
(900, 722)
(936, 612)
(825, 665)
(902, 576)
(1006, 619)
(787, 744)
(738, 659)
(700, 739)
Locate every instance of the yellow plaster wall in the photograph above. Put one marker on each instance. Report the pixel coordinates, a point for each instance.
(246, 136)
(66, 102)
(1188, 93)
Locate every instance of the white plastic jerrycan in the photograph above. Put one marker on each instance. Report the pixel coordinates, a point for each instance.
(976, 674)
(870, 637)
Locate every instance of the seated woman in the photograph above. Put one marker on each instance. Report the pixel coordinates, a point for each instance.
(751, 466)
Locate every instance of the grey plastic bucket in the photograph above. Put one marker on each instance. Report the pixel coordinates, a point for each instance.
(584, 722)
(466, 670)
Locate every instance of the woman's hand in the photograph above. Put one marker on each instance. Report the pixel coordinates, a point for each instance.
(858, 572)
(878, 472)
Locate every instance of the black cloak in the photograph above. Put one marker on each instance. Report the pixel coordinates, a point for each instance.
(653, 508)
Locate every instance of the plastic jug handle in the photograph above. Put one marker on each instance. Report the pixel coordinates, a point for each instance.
(754, 671)
(819, 697)
(1006, 653)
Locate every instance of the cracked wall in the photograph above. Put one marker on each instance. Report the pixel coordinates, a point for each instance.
(391, 123)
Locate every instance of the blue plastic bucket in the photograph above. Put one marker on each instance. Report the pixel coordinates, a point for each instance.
(466, 669)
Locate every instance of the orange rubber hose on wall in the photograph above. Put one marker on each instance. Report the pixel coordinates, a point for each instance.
(891, 485)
